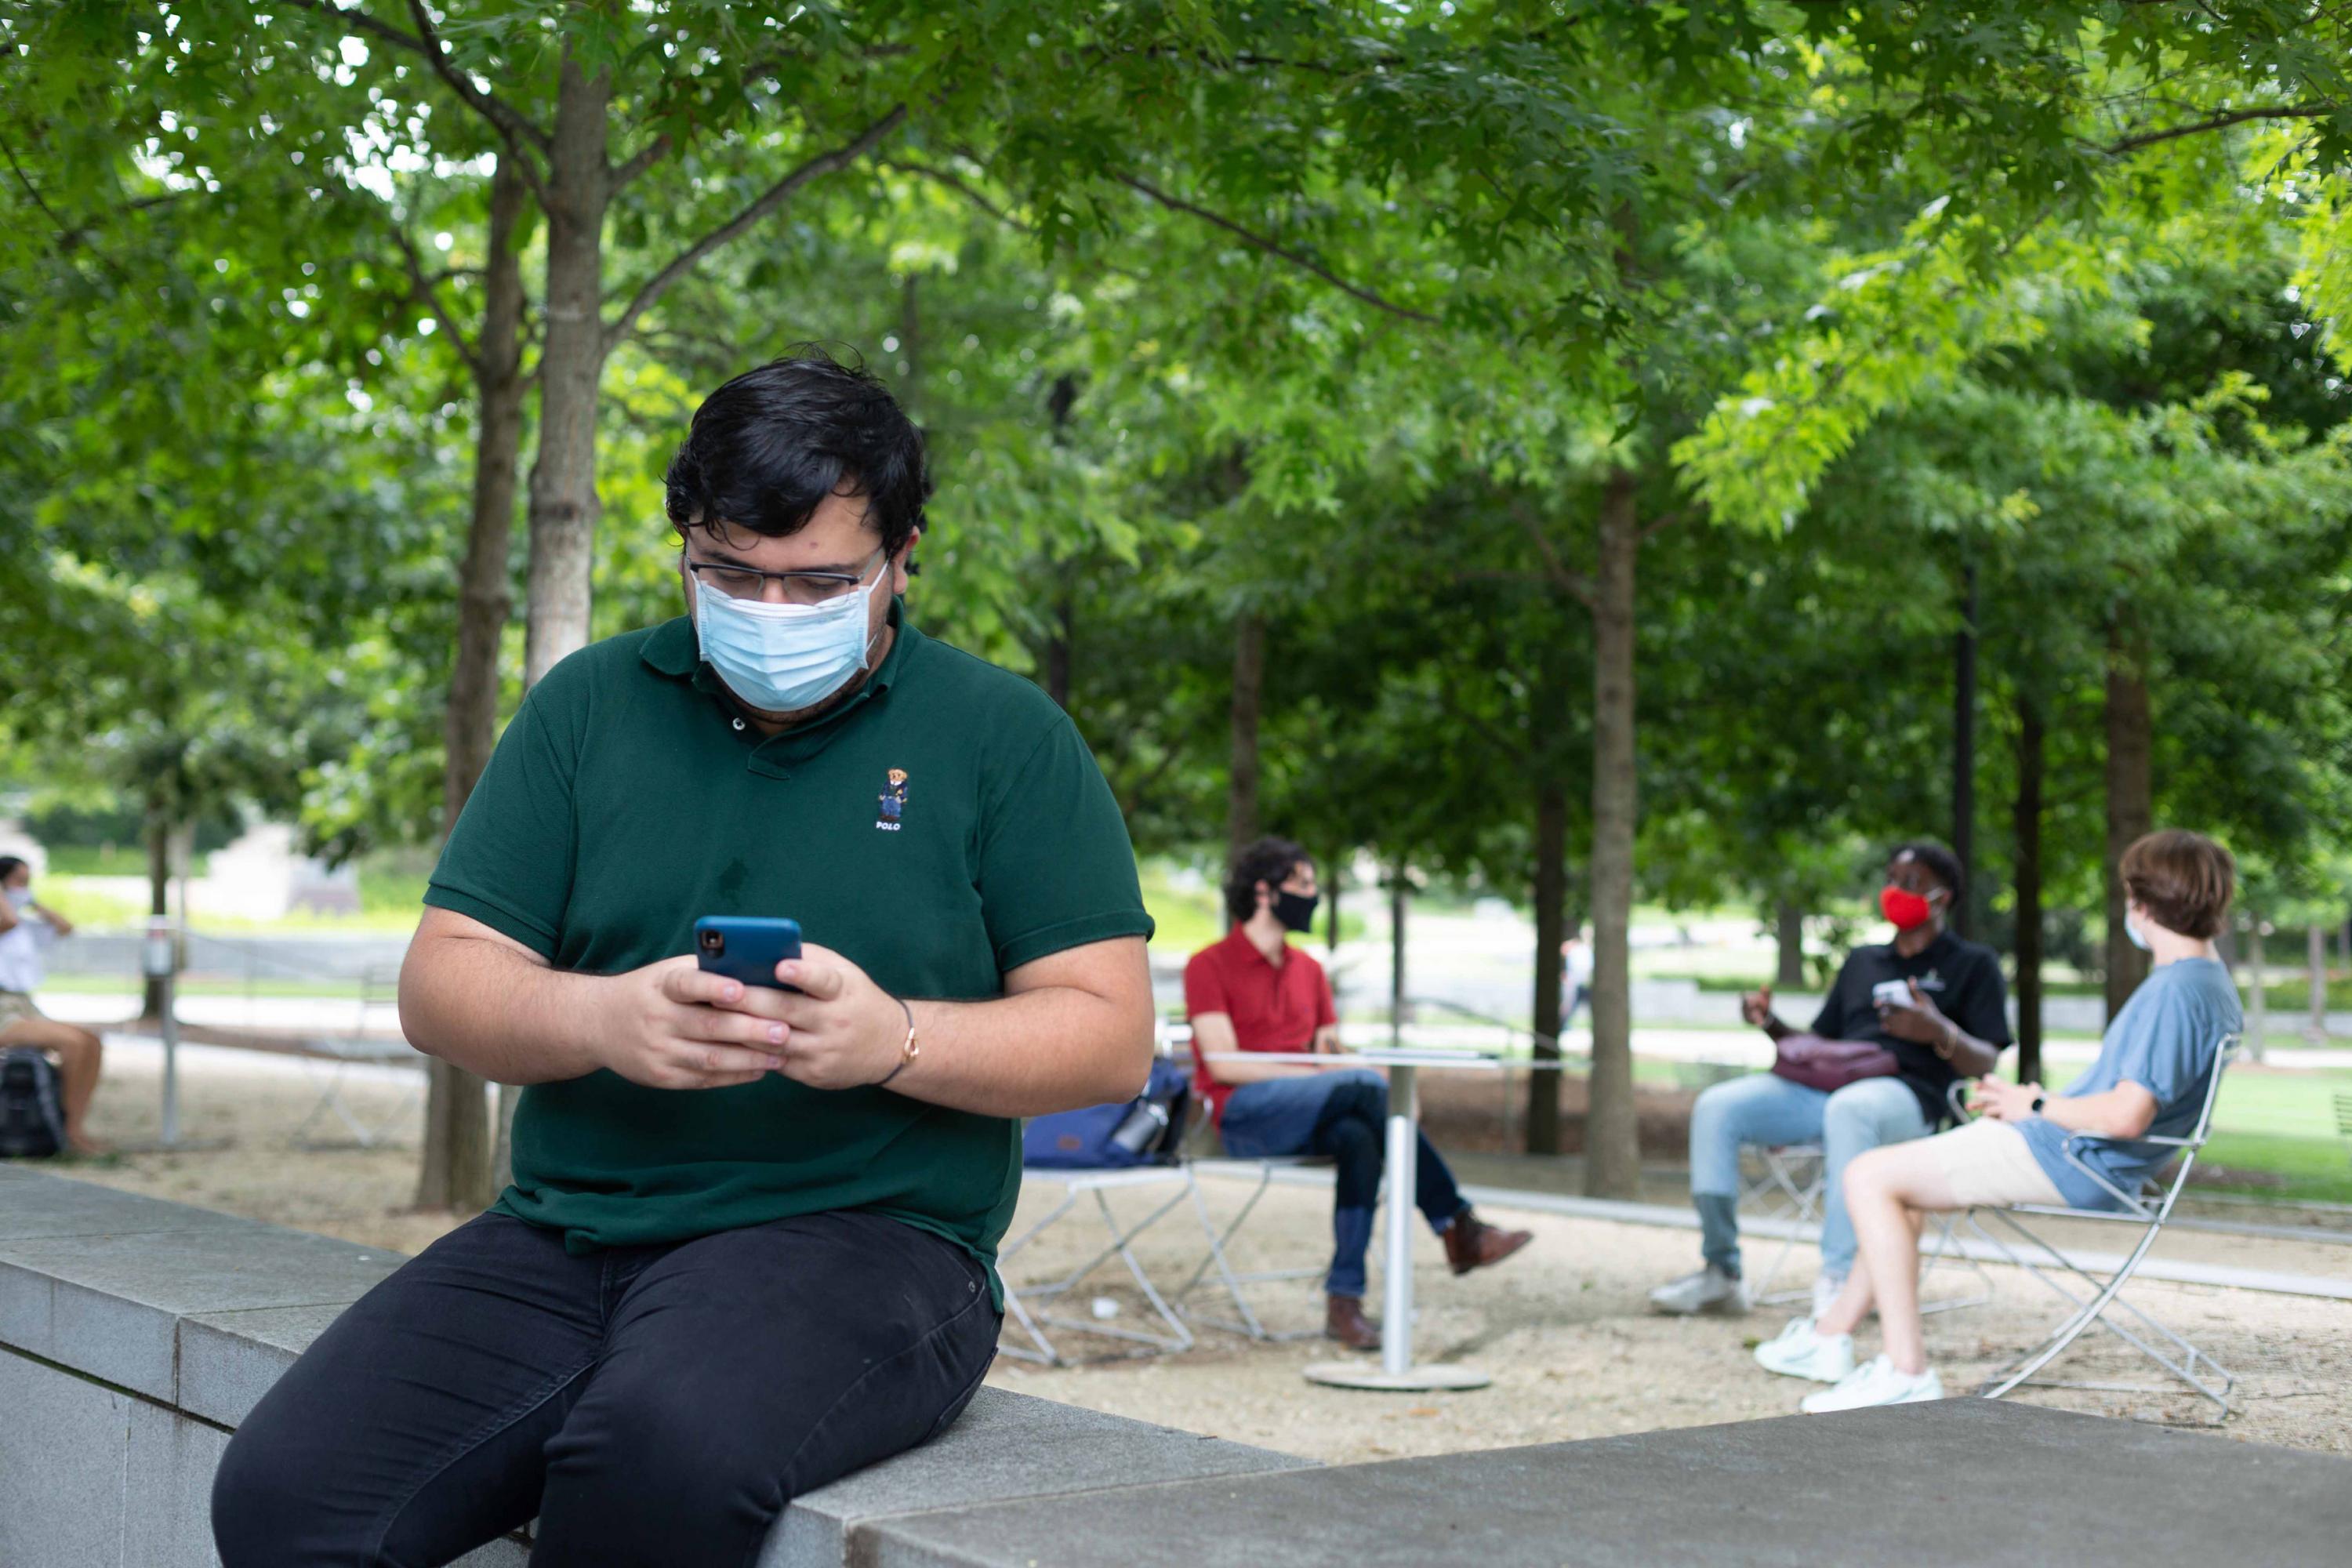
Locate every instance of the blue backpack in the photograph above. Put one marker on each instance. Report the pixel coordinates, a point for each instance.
(1145, 1131)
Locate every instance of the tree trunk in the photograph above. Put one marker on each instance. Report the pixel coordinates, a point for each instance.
(1249, 679)
(563, 504)
(1612, 1155)
(159, 895)
(1059, 402)
(1789, 932)
(910, 346)
(2130, 805)
(2257, 1006)
(2025, 829)
(1331, 890)
(455, 1170)
(1551, 931)
(2317, 1028)
(1399, 897)
(1057, 651)
(1964, 756)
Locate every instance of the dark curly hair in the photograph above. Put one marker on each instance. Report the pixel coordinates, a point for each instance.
(1269, 860)
(765, 450)
(1942, 862)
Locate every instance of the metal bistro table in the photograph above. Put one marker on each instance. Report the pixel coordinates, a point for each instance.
(1397, 1371)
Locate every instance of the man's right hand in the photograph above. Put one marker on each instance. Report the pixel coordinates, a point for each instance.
(671, 1026)
(1756, 1007)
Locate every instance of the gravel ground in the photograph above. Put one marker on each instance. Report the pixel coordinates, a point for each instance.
(1563, 1327)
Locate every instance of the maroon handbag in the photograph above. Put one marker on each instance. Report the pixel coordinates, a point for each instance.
(1830, 1065)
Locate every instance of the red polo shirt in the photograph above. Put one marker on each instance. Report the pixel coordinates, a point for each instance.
(1274, 1008)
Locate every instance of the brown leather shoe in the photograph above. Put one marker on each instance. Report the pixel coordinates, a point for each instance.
(1344, 1320)
(1472, 1243)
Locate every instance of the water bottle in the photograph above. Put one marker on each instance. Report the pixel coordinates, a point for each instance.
(1143, 1127)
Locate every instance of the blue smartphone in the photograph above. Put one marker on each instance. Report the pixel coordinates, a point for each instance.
(746, 948)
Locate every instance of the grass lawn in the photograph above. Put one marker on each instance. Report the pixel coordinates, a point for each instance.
(2282, 1124)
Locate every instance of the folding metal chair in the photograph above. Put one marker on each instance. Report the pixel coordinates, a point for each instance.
(330, 1059)
(1798, 1173)
(2148, 1208)
(1246, 1321)
(1025, 1303)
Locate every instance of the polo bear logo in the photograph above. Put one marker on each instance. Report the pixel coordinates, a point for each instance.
(894, 800)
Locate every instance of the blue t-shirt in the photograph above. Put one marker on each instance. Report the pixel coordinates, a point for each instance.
(2164, 1041)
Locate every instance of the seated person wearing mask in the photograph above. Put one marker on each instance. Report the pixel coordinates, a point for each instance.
(749, 1245)
(2149, 1081)
(1953, 1026)
(26, 929)
(1255, 992)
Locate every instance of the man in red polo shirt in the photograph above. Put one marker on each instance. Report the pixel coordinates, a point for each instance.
(1255, 992)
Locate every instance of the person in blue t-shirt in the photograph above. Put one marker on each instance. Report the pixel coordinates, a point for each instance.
(2078, 1148)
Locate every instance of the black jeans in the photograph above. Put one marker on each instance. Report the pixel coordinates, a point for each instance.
(650, 1404)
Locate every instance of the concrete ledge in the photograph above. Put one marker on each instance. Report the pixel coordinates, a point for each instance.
(1957, 1483)
(136, 1334)
(1004, 1445)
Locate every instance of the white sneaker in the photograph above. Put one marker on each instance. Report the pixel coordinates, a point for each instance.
(1827, 1289)
(1877, 1383)
(1708, 1290)
(1801, 1351)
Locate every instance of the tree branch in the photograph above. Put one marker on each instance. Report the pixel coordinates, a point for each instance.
(67, 237)
(1273, 248)
(1656, 526)
(767, 201)
(962, 187)
(1576, 584)
(2219, 123)
(514, 129)
(645, 157)
(421, 290)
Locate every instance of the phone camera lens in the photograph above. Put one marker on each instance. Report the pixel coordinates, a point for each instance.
(714, 941)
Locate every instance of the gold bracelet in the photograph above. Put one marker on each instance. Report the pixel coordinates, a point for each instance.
(908, 1052)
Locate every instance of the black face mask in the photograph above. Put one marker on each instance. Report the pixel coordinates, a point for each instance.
(1295, 911)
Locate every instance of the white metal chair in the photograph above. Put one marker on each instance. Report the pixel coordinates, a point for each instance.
(1026, 1304)
(1799, 1174)
(2148, 1208)
(330, 1059)
(1244, 1320)
(1177, 1038)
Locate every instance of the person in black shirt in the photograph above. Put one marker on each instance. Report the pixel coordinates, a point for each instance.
(1935, 1002)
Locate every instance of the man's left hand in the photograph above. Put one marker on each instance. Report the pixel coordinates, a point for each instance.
(1922, 1023)
(843, 1031)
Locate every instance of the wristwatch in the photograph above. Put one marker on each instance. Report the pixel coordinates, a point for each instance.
(2038, 1102)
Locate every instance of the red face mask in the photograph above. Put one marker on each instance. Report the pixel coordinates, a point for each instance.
(1906, 908)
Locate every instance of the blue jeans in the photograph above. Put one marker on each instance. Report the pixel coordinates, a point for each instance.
(1765, 1110)
(1344, 1115)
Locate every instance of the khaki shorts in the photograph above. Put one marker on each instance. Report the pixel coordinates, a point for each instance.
(16, 1005)
(1990, 1163)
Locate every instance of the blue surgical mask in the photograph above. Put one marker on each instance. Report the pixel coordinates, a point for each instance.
(2131, 929)
(782, 658)
(20, 898)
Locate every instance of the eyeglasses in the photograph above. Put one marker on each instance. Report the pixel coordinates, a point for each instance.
(733, 582)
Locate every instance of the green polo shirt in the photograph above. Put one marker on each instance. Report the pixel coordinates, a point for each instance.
(626, 800)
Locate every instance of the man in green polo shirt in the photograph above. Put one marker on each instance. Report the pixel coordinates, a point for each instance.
(749, 1241)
